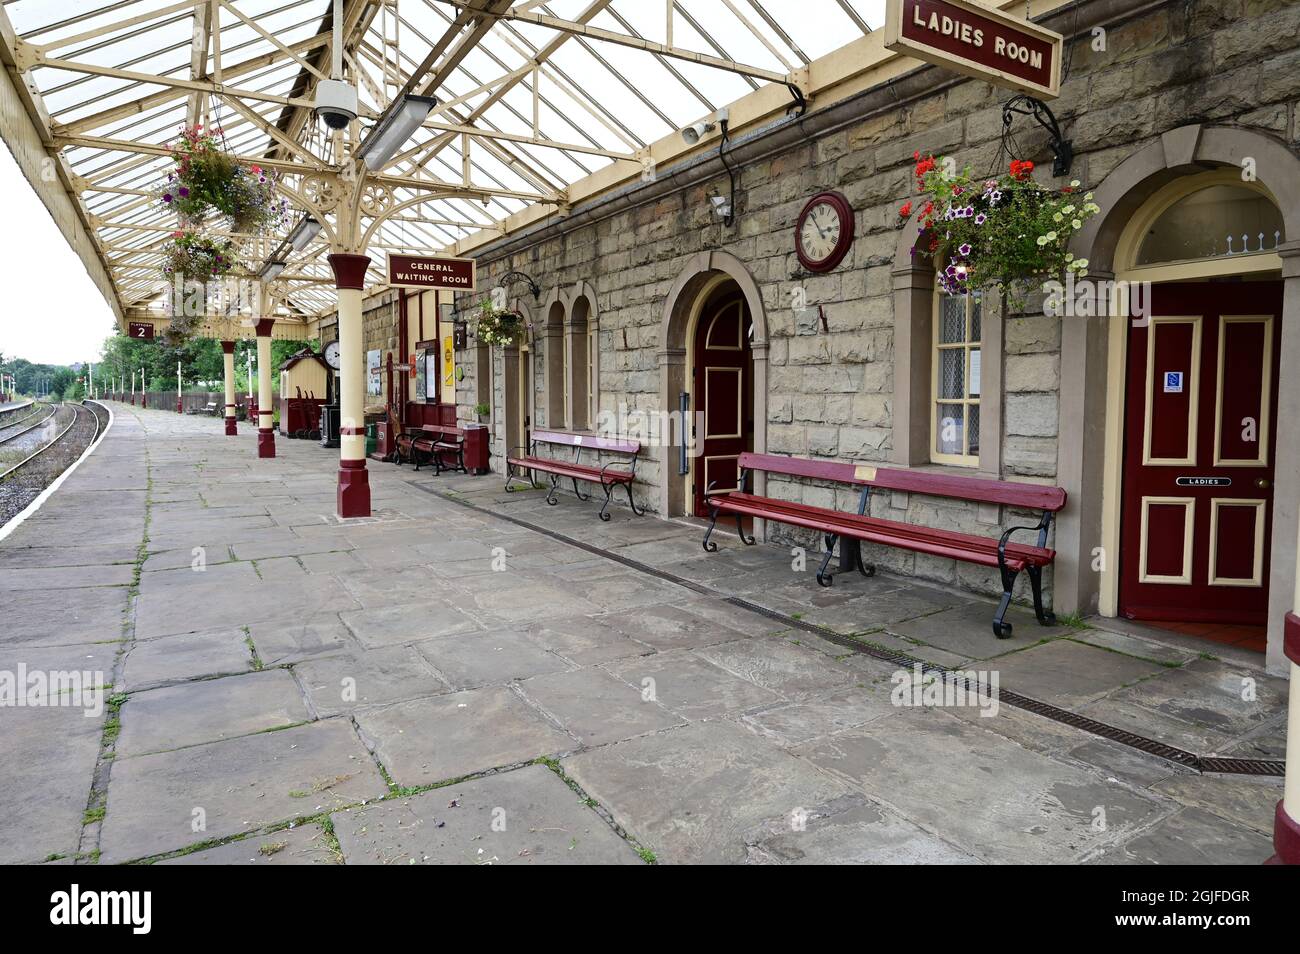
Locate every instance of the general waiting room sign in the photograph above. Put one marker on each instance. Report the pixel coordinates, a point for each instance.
(977, 40)
(435, 271)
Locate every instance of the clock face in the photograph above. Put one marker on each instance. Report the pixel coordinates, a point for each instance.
(824, 232)
(332, 355)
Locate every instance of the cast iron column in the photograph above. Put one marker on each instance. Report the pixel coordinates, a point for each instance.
(265, 419)
(228, 360)
(1286, 820)
(354, 480)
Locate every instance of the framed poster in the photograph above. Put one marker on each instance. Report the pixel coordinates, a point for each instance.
(373, 383)
(429, 362)
(421, 379)
(448, 365)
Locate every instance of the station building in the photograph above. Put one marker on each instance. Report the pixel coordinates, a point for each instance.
(640, 301)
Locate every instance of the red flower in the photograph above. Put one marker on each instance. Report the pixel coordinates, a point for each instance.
(923, 166)
(1021, 170)
(906, 210)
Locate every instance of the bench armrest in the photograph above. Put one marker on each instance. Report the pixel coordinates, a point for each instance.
(1041, 527)
(631, 472)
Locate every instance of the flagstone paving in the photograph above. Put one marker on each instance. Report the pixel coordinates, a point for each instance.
(459, 679)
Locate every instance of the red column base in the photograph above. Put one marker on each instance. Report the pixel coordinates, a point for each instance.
(231, 430)
(354, 489)
(1286, 839)
(180, 408)
(265, 442)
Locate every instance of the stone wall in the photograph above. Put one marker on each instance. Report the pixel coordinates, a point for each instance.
(830, 393)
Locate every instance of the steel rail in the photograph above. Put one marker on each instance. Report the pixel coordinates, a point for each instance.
(78, 409)
(9, 437)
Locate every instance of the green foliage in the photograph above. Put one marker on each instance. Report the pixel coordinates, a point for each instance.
(206, 179)
(499, 327)
(1007, 232)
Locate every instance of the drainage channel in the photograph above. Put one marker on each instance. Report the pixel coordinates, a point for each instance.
(1205, 764)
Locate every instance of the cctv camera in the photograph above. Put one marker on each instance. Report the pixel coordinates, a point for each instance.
(695, 132)
(336, 103)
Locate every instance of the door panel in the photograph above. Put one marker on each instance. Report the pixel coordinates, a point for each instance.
(1200, 415)
(723, 383)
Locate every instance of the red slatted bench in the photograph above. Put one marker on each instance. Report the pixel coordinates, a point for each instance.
(1009, 558)
(432, 444)
(611, 475)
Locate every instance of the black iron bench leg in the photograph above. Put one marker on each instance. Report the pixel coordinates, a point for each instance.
(576, 492)
(609, 495)
(1001, 629)
(1036, 584)
(709, 545)
(824, 578)
(630, 502)
(740, 530)
(510, 478)
(550, 494)
(866, 569)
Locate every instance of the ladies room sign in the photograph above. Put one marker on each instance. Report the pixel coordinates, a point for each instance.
(977, 40)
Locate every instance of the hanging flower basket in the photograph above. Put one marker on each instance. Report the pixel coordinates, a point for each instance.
(499, 327)
(190, 257)
(205, 181)
(194, 257)
(1008, 232)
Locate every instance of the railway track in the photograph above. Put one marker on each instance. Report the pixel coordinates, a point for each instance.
(11, 429)
(32, 461)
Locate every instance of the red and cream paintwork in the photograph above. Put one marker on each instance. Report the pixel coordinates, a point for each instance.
(265, 415)
(1198, 460)
(228, 366)
(354, 480)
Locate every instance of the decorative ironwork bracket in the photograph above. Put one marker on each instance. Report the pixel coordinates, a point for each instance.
(1024, 105)
(532, 285)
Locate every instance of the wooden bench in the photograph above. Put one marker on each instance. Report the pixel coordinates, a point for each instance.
(431, 444)
(609, 476)
(1010, 558)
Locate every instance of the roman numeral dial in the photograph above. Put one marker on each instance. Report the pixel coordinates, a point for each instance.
(824, 232)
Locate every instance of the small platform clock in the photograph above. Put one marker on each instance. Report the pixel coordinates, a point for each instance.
(332, 355)
(824, 232)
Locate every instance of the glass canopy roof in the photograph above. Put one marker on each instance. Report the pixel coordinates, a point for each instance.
(533, 97)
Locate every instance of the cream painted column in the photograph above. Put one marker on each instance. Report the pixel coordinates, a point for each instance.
(354, 480)
(265, 402)
(228, 360)
(1286, 820)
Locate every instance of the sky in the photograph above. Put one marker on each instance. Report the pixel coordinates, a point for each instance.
(51, 312)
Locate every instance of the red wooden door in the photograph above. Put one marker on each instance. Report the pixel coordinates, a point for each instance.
(1200, 426)
(724, 385)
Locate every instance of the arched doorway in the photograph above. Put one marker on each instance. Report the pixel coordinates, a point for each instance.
(703, 275)
(722, 386)
(517, 386)
(1200, 392)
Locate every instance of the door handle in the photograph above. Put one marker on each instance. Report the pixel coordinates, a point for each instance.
(1262, 483)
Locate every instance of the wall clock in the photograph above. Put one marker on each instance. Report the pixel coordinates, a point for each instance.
(824, 232)
(332, 355)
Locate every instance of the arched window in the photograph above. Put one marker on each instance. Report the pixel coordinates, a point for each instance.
(1212, 222)
(581, 356)
(556, 370)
